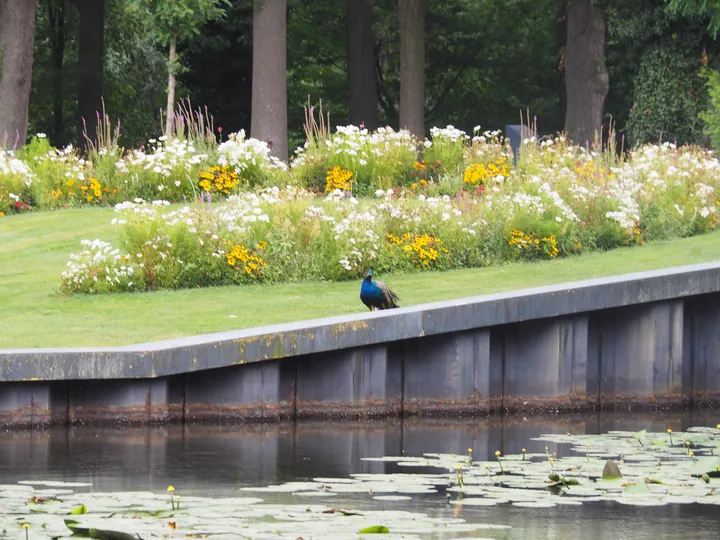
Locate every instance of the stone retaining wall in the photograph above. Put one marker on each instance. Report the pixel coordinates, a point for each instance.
(642, 340)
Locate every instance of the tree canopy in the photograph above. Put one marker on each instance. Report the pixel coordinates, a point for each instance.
(483, 62)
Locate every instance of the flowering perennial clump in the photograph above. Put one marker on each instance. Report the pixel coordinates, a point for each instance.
(422, 249)
(338, 178)
(532, 246)
(219, 180)
(16, 179)
(99, 267)
(249, 158)
(480, 173)
(252, 264)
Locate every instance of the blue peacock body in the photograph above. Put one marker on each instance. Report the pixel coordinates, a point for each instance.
(376, 295)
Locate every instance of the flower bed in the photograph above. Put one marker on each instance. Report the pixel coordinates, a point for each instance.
(559, 200)
(355, 198)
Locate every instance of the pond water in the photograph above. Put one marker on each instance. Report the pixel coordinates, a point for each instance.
(217, 461)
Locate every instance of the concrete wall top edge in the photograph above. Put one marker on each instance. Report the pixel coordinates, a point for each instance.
(174, 356)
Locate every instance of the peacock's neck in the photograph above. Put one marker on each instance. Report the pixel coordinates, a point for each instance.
(368, 286)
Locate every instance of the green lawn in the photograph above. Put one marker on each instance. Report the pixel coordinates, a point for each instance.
(35, 247)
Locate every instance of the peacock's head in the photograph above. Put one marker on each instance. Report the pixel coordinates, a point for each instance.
(369, 273)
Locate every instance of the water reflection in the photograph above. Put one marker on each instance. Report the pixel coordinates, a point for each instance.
(216, 460)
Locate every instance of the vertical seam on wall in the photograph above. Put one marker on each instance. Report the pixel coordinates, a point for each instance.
(67, 404)
(294, 388)
(183, 417)
(476, 359)
(403, 358)
(673, 340)
(693, 355)
(503, 358)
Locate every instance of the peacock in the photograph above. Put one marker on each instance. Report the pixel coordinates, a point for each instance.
(376, 295)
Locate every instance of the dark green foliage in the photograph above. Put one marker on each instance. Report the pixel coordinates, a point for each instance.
(711, 117)
(135, 80)
(709, 8)
(668, 97)
(486, 61)
(654, 60)
(219, 69)
(135, 76)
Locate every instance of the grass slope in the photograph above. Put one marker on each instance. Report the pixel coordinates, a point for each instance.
(35, 247)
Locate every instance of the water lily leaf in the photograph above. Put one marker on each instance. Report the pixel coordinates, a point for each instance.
(611, 470)
(658, 442)
(534, 504)
(639, 488)
(707, 465)
(52, 483)
(639, 436)
(641, 501)
(82, 509)
(375, 529)
(480, 501)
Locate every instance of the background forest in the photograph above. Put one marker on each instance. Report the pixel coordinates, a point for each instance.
(481, 62)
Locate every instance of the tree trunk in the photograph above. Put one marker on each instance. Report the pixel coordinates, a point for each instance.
(560, 43)
(56, 18)
(170, 111)
(412, 66)
(17, 34)
(91, 62)
(586, 77)
(361, 64)
(269, 76)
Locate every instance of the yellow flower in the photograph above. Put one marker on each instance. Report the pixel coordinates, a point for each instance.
(669, 430)
(497, 453)
(2, 214)
(219, 180)
(170, 489)
(70, 183)
(25, 525)
(338, 178)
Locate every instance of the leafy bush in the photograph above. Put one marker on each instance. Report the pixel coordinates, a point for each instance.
(16, 180)
(377, 160)
(711, 117)
(250, 159)
(668, 98)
